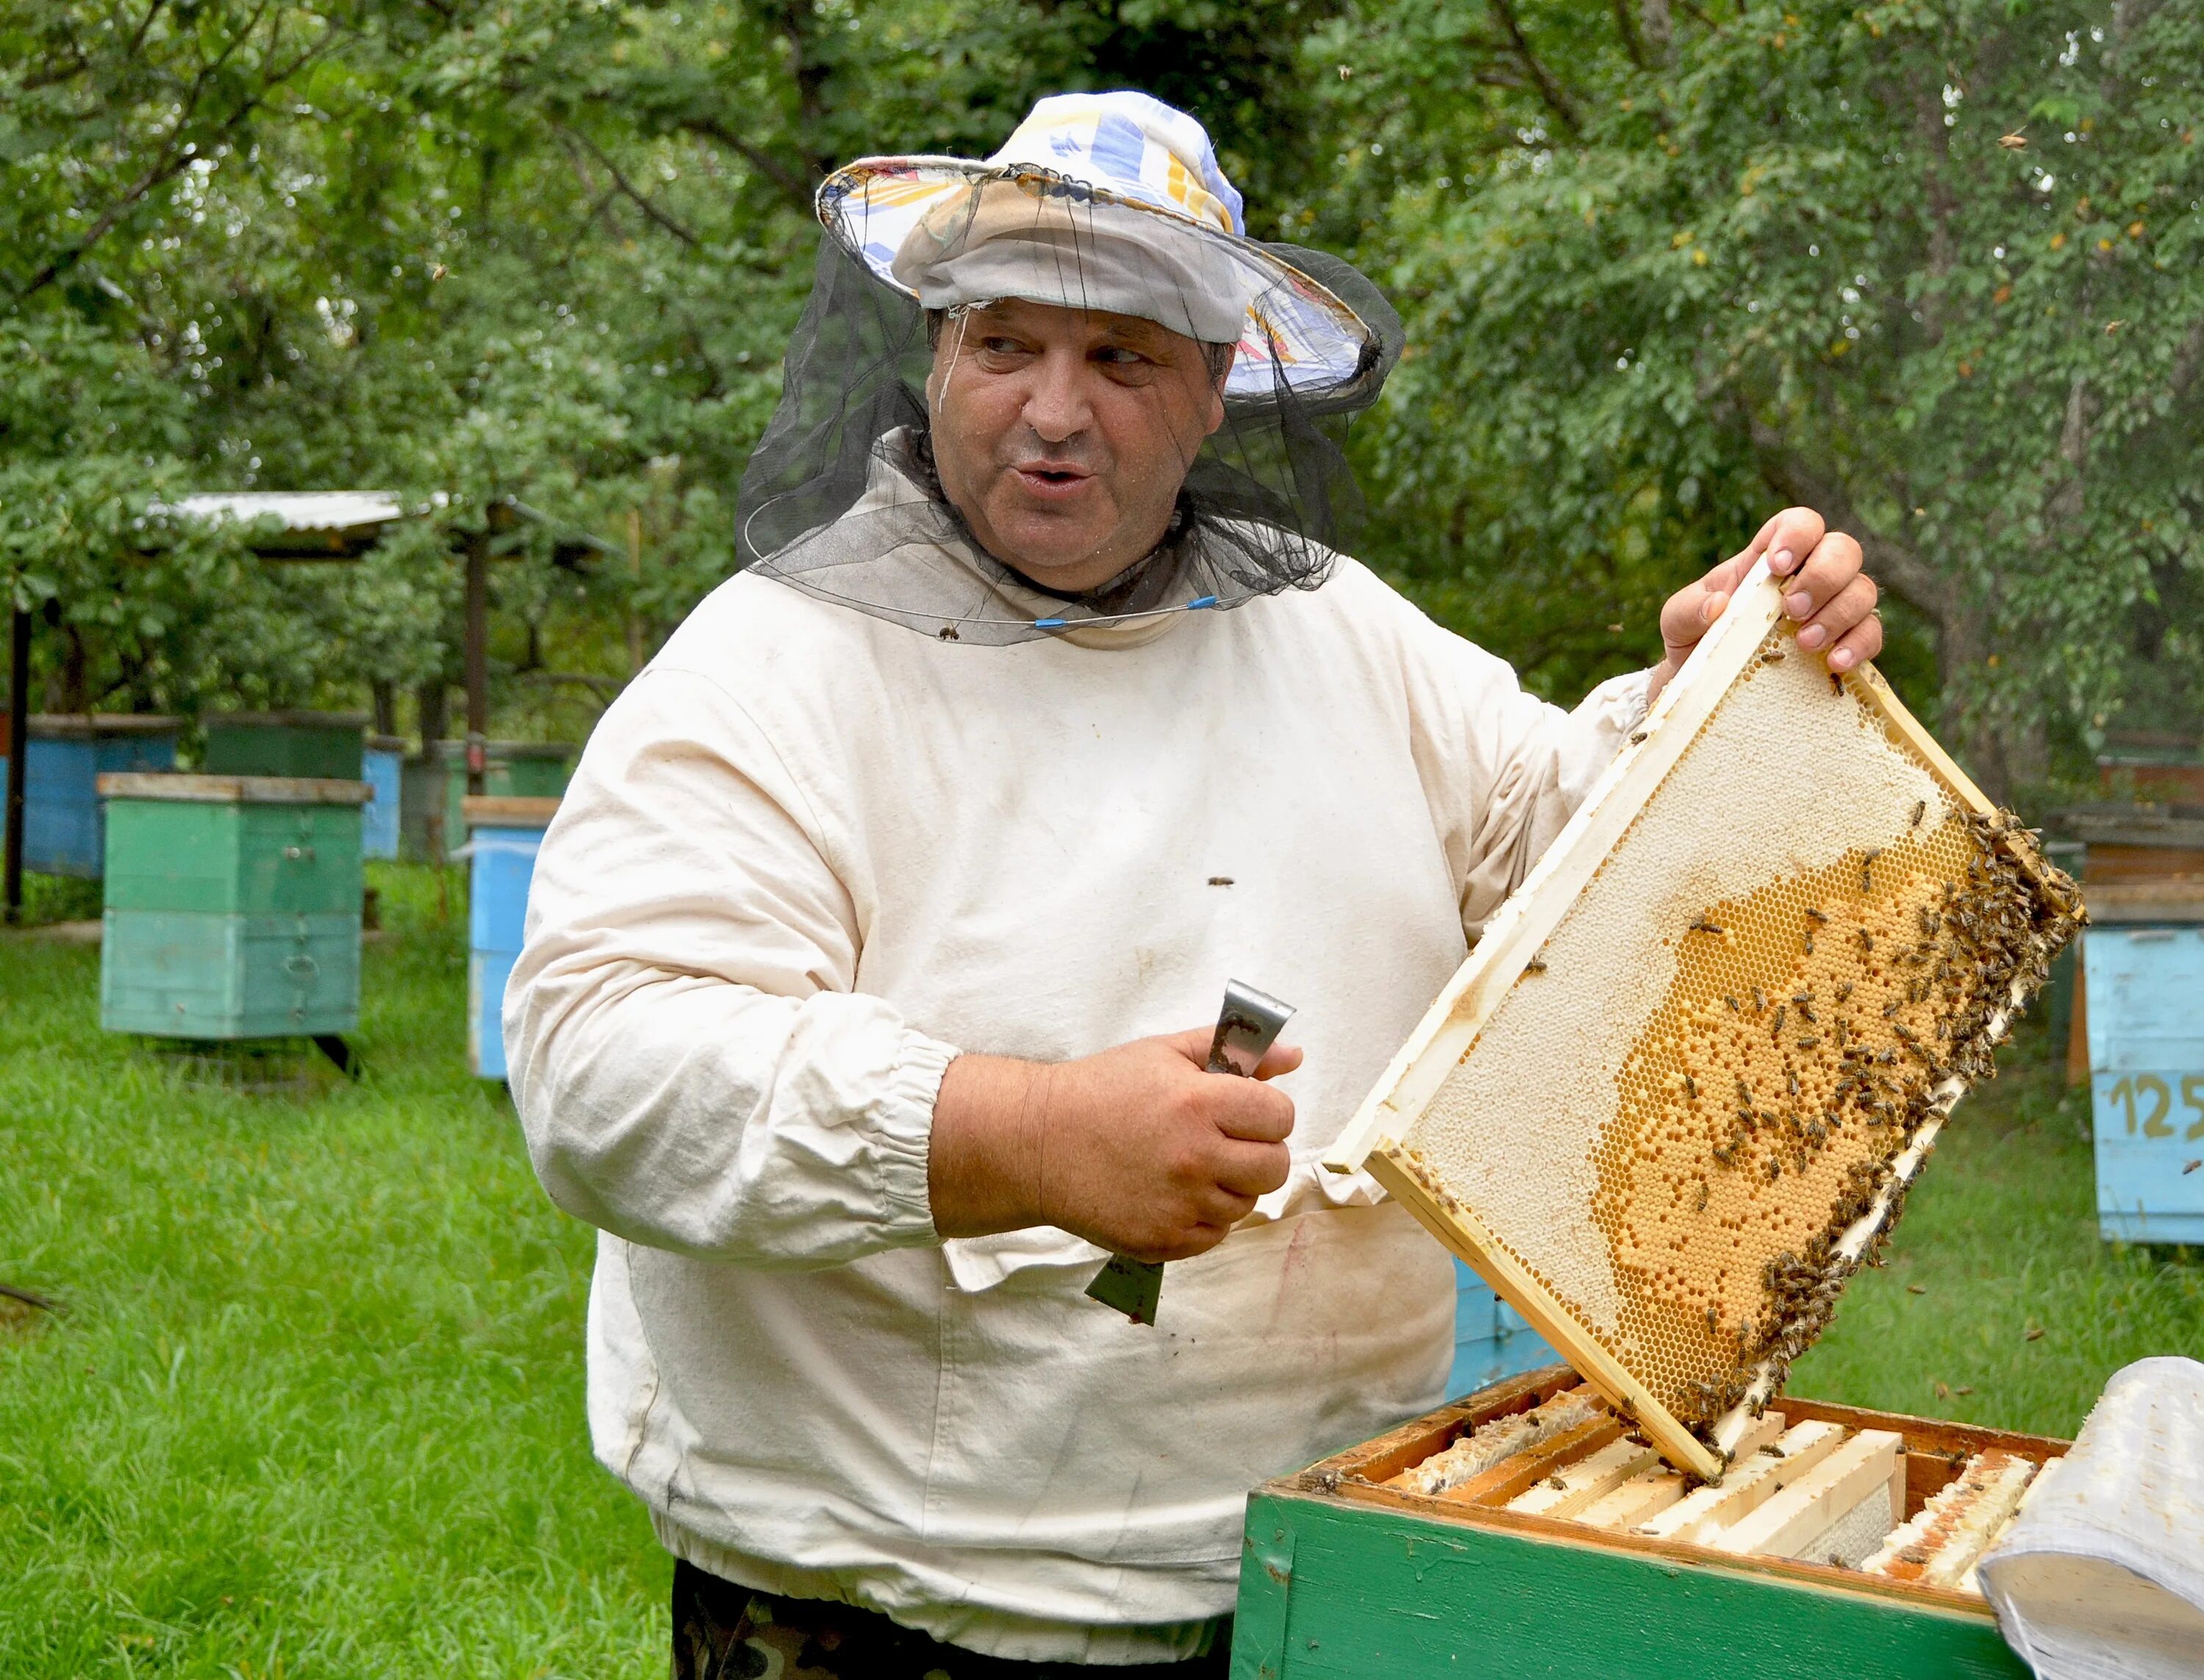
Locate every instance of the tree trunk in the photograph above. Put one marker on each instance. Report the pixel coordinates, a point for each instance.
(430, 701)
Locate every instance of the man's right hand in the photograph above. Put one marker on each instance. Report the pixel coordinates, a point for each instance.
(1140, 1148)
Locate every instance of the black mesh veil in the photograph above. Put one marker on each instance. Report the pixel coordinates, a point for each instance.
(841, 499)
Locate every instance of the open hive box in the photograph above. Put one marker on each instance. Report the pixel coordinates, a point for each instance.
(1676, 1095)
(1530, 1530)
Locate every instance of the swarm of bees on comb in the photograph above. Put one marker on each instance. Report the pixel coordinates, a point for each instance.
(1805, 1040)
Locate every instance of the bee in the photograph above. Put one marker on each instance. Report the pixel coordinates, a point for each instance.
(1778, 1033)
(1836, 685)
(1892, 1006)
(1536, 965)
(1774, 1169)
(1759, 1001)
(1920, 810)
(1844, 991)
(1691, 1088)
(1816, 915)
(1714, 1323)
(1700, 1206)
(1733, 1002)
(1809, 1041)
(1867, 869)
(1791, 1080)
(1703, 926)
(1804, 1003)
(1867, 941)
(1810, 942)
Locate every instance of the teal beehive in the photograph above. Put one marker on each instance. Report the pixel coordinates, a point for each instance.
(321, 745)
(233, 906)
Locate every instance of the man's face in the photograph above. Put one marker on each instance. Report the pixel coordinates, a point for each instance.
(1062, 436)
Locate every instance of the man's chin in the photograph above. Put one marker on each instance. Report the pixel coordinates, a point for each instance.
(1066, 554)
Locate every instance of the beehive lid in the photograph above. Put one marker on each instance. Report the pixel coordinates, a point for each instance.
(494, 810)
(233, 790)
(1676, 1093)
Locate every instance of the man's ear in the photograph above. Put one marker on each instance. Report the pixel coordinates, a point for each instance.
(1221, 370)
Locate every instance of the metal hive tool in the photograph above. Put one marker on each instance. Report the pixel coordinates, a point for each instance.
(1675, 1096)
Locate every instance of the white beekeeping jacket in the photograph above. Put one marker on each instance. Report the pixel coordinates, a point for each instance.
(808, 857)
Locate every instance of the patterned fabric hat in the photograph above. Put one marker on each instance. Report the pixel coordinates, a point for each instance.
(1105, 201)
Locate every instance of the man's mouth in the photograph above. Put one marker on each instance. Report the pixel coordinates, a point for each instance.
(1051, 480)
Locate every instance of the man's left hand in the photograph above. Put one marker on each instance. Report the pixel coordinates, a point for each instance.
(1826, 594)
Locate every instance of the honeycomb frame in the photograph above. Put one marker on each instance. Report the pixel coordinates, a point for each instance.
(1772, 1105)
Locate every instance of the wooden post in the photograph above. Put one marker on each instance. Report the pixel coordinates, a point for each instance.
(635, 574)
(19, 753)
(478, 660)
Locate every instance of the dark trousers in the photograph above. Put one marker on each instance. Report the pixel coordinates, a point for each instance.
(724, 1632)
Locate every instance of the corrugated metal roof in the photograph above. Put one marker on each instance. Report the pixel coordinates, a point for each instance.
(298, 509)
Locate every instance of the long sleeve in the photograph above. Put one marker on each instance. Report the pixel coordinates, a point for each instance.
(1506, 769)
(693, 1068)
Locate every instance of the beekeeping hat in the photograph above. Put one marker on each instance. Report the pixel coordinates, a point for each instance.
(1112, 203)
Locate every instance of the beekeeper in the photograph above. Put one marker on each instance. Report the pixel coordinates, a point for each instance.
(873, 955)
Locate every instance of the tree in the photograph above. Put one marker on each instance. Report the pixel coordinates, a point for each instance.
(1932, 267)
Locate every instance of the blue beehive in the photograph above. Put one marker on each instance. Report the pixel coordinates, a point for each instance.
(1490, 1339)
(379, 769)
(504, 833)
(64, 828)
(2143, 972)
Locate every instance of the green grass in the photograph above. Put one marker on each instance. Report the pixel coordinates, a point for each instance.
(316, 1408)
(2000, 1238)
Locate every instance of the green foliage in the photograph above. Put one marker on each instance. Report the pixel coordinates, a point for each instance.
(1931, 265)
(1934, 268)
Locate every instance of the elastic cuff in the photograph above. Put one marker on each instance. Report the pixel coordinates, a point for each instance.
(905, 1127)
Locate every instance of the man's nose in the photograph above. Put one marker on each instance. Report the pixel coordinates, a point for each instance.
(1056, 406)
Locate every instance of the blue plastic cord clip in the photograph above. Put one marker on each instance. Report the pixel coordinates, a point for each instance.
(1049, 623)
(1196, 606)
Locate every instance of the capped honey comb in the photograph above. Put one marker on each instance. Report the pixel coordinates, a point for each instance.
(1676, 1094)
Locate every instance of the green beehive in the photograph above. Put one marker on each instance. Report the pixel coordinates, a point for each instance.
(320, 744)
(233, 906)
(430, 819)
(1350, 1568)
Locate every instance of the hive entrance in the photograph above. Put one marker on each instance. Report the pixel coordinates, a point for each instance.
(1716, 1027)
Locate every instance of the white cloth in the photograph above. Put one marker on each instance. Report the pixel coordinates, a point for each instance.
(808, 856)
(2101, 1575)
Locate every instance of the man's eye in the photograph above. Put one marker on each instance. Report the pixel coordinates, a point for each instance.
(999, 346)
(1117, 356)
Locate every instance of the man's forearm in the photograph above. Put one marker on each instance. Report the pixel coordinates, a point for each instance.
(984, 1165)
(1139, 1148)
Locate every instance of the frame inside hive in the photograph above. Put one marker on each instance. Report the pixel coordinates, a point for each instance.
(1931, 1457)
(1677, 1092)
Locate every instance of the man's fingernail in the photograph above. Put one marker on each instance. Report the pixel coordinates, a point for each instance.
(1799, 605)
(1781, 561)
(1842, 659)
(1813, 637)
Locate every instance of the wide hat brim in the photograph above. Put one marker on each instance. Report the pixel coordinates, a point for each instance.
(1295, 330)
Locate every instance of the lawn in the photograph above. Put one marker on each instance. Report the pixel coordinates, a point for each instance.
(315, 1406)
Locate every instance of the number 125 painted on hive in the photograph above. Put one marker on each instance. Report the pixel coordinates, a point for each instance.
(2148, 1098)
